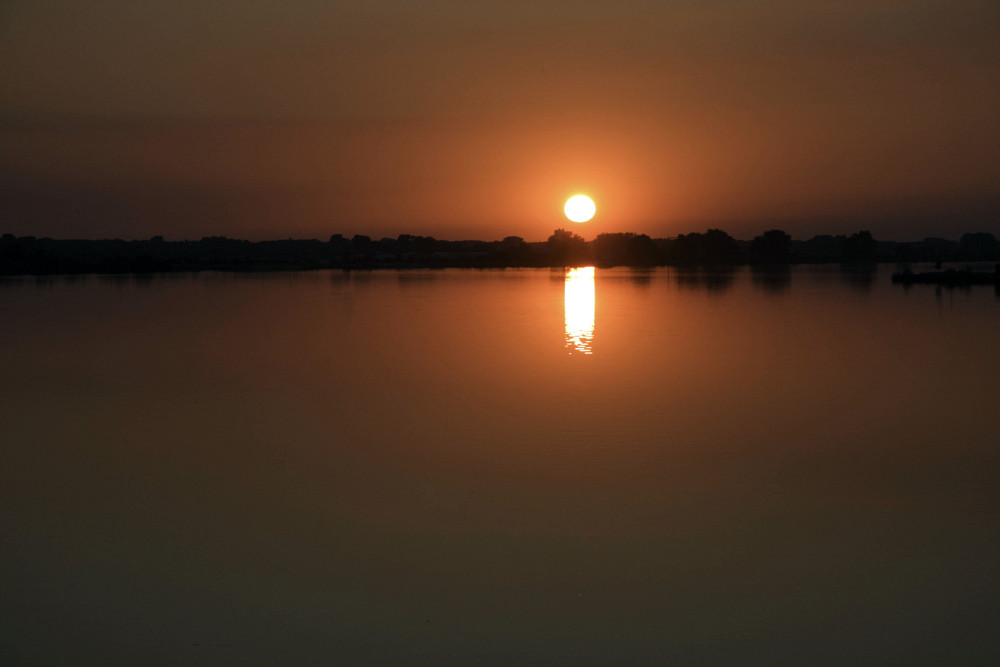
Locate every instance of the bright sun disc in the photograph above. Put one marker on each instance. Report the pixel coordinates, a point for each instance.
(580, 208)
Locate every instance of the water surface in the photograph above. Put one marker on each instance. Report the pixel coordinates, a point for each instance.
(499, 467)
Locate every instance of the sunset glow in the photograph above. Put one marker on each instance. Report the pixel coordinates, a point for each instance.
(283, 373)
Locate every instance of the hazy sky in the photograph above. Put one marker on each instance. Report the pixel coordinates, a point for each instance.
(474, 119)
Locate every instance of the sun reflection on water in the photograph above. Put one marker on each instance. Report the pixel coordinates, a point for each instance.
(579, 303)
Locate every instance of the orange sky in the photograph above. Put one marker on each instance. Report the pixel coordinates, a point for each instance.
(267, 119)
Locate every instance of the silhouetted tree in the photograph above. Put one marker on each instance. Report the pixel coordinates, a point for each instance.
(772, 247)
(10, 256)
(821, 248)
(625, 249)
(566, 248)
(859, 247)
(642, 251)
(720, 248)
(610, 249)
(979, 246)
(713, 248)
(339, 245)
(939, 249)
(361, 243)
(686, 249)
(214, 248)
(8, 245)
(387, 245)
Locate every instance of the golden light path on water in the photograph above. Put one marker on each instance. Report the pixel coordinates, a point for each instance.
(580, 299)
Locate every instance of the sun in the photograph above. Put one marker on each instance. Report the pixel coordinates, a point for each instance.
(580, 208)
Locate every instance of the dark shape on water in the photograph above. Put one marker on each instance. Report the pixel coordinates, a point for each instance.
(949, 278)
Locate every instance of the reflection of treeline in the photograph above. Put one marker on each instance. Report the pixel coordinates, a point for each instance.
(30, 255)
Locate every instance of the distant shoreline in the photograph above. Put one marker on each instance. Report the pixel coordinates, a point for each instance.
(28, 255)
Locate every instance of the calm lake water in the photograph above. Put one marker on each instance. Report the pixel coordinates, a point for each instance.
(499, 467)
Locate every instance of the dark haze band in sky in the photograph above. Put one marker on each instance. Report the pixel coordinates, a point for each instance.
(477, 119)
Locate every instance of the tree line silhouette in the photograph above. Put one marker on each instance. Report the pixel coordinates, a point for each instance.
(28, 255)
